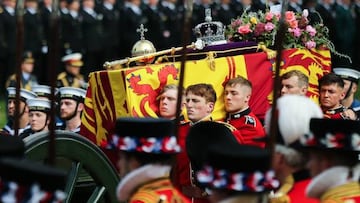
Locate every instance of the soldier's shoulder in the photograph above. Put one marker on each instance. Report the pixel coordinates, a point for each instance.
(12, 77)
(145, 195)
(61, 75)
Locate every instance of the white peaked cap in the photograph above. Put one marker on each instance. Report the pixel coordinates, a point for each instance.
(38, 104)
(42, 90)
(294, 115)
(347, 73)
(24, 94)
(72, 93)
(70, 57)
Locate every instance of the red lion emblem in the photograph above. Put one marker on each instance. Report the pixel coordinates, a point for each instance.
(147, 89)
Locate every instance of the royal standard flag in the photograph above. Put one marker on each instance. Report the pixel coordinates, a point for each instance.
(133, 91)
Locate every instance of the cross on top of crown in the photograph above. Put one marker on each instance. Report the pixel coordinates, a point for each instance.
(142, 30)
(208, 17)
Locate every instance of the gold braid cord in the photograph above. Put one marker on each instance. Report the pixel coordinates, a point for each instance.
(281, 196)
(271, 54)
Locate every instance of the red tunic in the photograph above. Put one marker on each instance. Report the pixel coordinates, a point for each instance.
(249, 127)
(297, 192)
(181, 172)
(334, 113)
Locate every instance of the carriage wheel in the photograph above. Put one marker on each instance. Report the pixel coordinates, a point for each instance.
(91, 176)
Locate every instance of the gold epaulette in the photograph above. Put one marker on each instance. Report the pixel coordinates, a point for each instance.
(1, 9)
(11, 78)
(61, 75)
(228, 125)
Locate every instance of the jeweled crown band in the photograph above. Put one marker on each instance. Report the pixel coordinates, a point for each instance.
(242, 182)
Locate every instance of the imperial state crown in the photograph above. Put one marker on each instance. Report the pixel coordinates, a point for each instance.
(210, 32)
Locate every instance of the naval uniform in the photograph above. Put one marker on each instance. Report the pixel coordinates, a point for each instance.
(8, 129)
(65, 79)
(25, 83)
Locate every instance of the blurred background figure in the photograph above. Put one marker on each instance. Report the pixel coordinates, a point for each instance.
(326, 9)
(71, 32)
(133, 18)
(345, 28)
(145, 169)
(93, 36)
(156, 22)
(294, 113)
(295, 6)
(173, 22)
(219, 156)
(23, 118)
(333, 160)
(72, 77)
(111, 25)
(225, 12)
(28, 78)
(7, 42)
(34, 38)
(357, 39)
(39, 116)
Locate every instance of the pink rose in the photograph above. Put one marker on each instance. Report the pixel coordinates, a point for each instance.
(269, 16)
(295, 31)
(236, 23)
(269, 27)
(244, 29)
(310, 30)
(259, 29)
(303, 22)
(293, 24)
(289, 16)
(310, 44)
(277, 16)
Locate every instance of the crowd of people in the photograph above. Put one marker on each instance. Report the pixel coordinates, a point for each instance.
(106, 30)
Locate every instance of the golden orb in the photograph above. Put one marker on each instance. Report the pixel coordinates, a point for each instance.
(141, 48)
